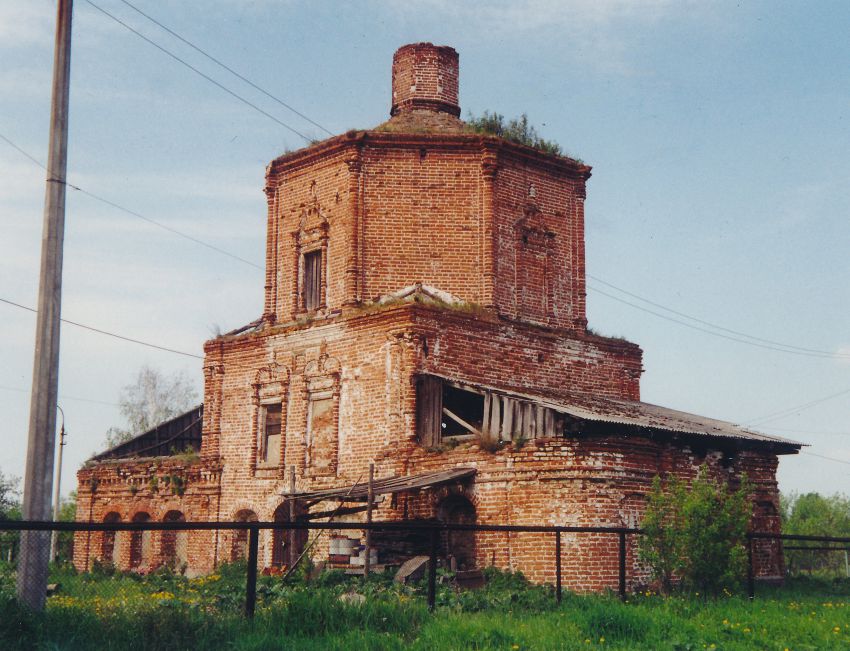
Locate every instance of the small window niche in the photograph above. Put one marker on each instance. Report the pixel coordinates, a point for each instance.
(271, 417)
(312, 276)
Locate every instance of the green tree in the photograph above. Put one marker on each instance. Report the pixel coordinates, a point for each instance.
(150, 400)
(696, 533)
(812, 514)
(10, 509)
(65, 541)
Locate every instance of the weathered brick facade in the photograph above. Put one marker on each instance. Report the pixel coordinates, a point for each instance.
(414, 255)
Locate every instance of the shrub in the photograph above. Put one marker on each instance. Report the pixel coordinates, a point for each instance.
(696, 533)
(517, 130)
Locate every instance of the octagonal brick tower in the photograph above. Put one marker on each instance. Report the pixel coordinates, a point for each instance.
(422, 198)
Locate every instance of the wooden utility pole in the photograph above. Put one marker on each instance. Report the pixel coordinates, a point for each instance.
(38, 478)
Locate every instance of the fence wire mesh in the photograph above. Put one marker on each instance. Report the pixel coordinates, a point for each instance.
(239, 567)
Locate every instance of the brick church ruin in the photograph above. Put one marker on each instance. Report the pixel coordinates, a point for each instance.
(424, 311)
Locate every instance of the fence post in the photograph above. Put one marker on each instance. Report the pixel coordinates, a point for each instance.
(622, 574)
(558, 566)
(251, 586)
(751, 579)
(432, 572)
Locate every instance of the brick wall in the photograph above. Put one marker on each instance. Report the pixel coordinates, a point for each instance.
(500, 227)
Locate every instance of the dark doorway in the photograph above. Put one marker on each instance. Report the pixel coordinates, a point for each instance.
(287, 544)
(458, 546)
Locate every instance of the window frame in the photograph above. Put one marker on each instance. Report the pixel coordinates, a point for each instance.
(263, 460)
(312, 293)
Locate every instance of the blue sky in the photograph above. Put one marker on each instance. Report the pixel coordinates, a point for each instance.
(718, 133)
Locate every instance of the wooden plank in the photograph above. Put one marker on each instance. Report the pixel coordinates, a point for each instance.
(460, 420)
(508, 407)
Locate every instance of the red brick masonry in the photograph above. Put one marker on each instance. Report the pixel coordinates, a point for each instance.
(494, 232)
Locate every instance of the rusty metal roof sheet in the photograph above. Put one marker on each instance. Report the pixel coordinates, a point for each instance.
(644, 414)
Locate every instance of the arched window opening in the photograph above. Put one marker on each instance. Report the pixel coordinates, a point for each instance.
(140, 543)
(109, 552)
(239, 548)
(174, 543)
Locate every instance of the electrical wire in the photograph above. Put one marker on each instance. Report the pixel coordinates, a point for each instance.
(106, 332)
(226, 67)
(820, 456)
(133, 213)
(712, 325)
(821, 355)
(783, 413)
(819, 432)
(198, 72)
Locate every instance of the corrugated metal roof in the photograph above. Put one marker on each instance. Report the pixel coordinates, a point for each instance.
(644, 414)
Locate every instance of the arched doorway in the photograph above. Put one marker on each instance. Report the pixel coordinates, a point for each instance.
(173, 545)
(140, 543)
(239, 548)
(109, 551)
(287, 545)
(458, 545)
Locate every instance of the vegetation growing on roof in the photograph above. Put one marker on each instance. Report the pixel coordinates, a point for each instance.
(517, 130)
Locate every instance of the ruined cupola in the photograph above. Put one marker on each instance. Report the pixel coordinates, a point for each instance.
(423, 199)
(425, 77)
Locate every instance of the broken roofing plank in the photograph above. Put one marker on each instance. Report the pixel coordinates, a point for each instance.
(359, 492)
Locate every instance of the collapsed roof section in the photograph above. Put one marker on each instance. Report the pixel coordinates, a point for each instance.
(179, 435)
(449, 409)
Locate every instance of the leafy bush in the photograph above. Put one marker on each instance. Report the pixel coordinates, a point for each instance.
(696, 533)
(517, 130)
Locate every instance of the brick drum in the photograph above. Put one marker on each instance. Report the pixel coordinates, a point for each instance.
(424, 310)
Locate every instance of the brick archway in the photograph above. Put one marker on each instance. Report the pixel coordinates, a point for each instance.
(287, 545)
(459, 545)
(239, 546)
(140, 543)
(173, 544)
(109, 549)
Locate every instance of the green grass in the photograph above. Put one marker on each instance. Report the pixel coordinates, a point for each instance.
(163, 611)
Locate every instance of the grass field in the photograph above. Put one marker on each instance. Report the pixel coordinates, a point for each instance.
(163, 611)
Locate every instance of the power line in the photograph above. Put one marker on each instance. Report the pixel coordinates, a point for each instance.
(106, 332)
(821, 355)
(762, 420)
(64, 397)
(226, 67)
(820, 456)
(712, 325)
(198, 72)
(799, 430)
(133, 212)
